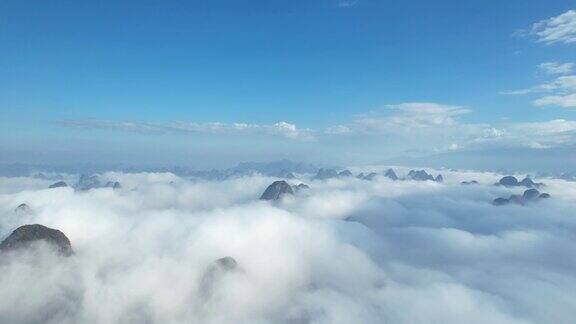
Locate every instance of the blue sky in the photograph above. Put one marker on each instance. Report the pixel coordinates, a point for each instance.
(211, 83)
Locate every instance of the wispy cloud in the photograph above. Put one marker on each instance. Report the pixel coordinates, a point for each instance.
(439, 128)
(557, 68)
(559, 29)
(281, 129)
(347, 3)
(567, 101)
(338, 130)
(560, 91)
(404, 117)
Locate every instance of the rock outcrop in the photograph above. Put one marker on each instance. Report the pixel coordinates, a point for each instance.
(324, 174)
(370, 176)
(419, 175)
(215, 271)
(345, 173)
(508, 181)
(500, 201)
(511, 181)
(24, 237)
(284, 174)
(473, 182)
(23, 209)
(225, 264)
(59, 184)
(301, 186)
(113, 185)
(391, 174)
(276, 190)
(530, 195)
(422, 175)
(87, 182)
(528, 183)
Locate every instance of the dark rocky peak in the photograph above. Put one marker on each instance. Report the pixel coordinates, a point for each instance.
(531, 194)
(276, 190)
(226, 264)
(58, 184)
(439, 178)
(528, 183)
(370, 176)
(360, 176)
(23, 209)
(25, 236)
(87, 182)
(301, 186)
(500, 202)
(473, 182)
(324, 174)
(508, 181)
(113, 185)
(391, 174)
(215, 271)
(517, 199)
(419, 175)
(345, 173)
(511, 181)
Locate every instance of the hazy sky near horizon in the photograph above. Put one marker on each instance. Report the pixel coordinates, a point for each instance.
(211, 83)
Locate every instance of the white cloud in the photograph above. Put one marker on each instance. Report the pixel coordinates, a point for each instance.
(563, 83)
(567, 101)
(282, 128)
(409, 252)
(557, 68)
(559, 29)
(290, 131)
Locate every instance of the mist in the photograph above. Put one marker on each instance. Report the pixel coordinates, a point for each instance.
(345, 251)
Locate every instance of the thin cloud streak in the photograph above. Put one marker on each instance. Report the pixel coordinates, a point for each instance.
(280, 129)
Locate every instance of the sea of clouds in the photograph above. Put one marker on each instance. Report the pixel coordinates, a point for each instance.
(346, 251)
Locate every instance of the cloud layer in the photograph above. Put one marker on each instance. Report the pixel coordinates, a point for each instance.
(346, 251)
